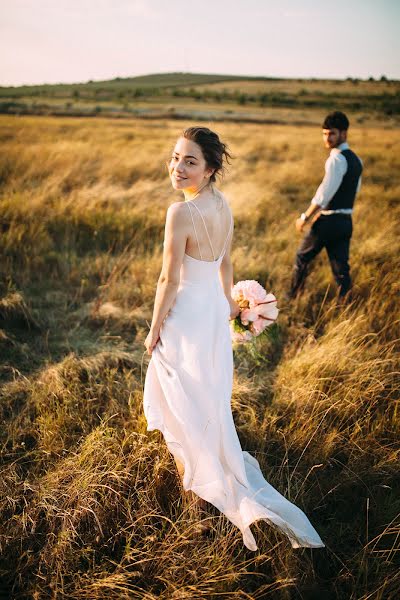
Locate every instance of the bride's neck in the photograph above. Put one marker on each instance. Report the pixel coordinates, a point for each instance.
(192, 194)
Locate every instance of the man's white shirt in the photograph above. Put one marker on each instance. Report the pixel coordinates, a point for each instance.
(335, 170)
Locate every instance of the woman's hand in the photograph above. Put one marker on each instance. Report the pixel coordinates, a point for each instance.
(151, 340)
(235, 308)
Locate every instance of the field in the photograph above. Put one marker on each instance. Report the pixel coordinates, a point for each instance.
(91, 505)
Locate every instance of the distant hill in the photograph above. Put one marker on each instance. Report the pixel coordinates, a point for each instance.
(202, 96)
(156, 80)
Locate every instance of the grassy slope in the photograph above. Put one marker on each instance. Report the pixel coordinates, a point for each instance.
(159, 80)
(91, 505)
(223, 97)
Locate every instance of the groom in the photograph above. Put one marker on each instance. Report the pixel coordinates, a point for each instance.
(331, 209)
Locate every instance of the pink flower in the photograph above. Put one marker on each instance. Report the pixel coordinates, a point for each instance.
(267, 309)
(249, 290)
(258, 326)
(258, 310)
(241, 336)
(247, 315)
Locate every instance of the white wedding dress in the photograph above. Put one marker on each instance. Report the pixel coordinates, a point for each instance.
(187, 396)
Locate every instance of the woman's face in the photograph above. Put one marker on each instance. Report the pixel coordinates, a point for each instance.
(188, 169)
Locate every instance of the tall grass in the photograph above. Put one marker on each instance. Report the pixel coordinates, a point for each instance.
(91, 504)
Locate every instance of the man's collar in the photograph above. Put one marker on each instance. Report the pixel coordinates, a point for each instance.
(342, 146)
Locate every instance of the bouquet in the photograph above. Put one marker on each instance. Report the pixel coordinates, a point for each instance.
(258, 310)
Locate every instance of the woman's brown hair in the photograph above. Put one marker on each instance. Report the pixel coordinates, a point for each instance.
(214, 151)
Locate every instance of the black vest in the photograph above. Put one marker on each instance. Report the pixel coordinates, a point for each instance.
(344, 197)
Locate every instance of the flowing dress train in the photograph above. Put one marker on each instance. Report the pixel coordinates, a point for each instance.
(187, 396)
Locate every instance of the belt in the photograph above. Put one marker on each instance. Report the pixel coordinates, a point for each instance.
(338, 211)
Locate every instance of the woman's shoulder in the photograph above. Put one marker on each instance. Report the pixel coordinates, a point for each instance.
(176, 208)
(177, 213)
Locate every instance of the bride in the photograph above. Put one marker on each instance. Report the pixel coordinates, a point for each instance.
(188, 387)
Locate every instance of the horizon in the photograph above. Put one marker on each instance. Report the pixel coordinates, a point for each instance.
(239, 77)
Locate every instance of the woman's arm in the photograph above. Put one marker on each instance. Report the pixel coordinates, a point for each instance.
(226, 279)
(168, 282)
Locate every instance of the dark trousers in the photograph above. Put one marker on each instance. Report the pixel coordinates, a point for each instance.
(332, 232)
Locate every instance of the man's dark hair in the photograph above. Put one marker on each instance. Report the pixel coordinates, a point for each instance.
(336, 120)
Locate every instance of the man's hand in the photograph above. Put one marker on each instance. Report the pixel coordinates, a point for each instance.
(300, 225)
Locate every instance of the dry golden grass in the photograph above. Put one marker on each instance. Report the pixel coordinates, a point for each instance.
(91, 505)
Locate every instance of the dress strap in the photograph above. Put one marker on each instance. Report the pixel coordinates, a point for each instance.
(227, 238)
(205, 227)
(194, 227)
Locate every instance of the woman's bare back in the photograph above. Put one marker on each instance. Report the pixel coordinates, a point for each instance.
(215, 211)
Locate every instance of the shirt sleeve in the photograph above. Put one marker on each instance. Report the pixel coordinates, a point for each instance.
(335, 169)
(359, 179)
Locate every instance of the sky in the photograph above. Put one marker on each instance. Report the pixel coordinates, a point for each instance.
(52, 41)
